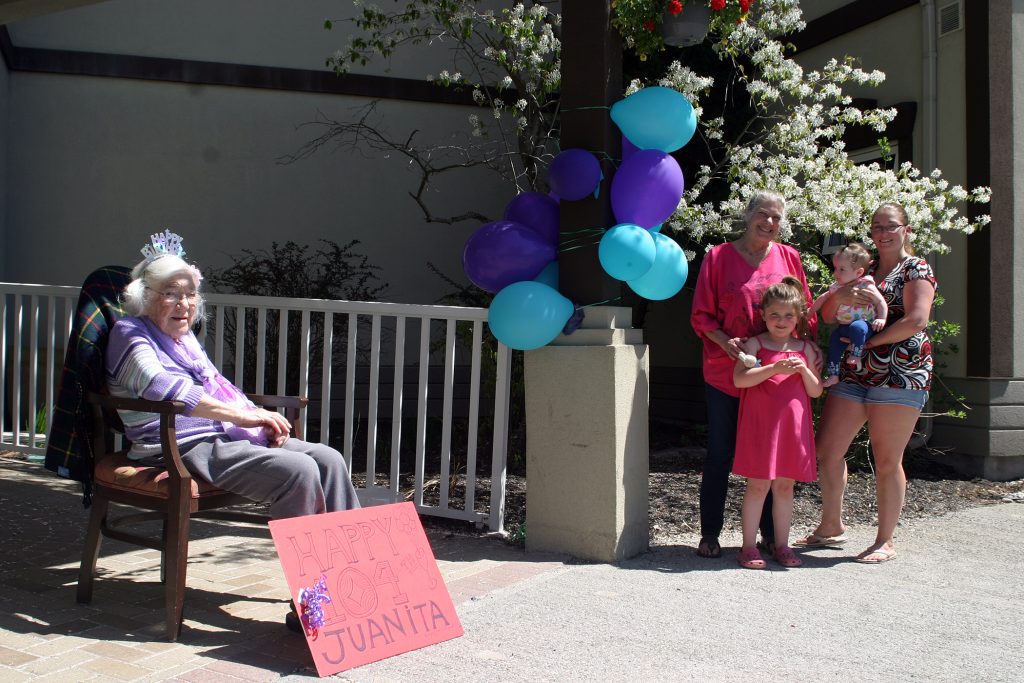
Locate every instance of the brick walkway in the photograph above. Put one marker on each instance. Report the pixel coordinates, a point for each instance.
(234, 607)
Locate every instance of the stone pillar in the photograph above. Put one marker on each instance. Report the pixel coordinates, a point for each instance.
(990, 442)
(587, 440)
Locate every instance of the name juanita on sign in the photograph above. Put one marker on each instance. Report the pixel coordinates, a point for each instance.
(366, 583)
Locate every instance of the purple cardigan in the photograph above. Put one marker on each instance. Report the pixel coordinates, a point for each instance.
(137, 367)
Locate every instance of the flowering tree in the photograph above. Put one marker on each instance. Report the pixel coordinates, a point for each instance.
(508, 59)
(791, 141)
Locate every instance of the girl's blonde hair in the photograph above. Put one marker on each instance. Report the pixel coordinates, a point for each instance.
(791, 293)
(858, 254)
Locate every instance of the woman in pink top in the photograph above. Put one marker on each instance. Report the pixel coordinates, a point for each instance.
(726, 312)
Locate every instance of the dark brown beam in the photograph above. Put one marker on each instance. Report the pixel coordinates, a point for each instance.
(979, 245)
(591, 81)
(217, 73)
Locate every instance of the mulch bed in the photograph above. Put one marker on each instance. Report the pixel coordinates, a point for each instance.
(933, 489)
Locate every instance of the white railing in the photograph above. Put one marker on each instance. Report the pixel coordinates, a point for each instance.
(34, 327)
(364, 366)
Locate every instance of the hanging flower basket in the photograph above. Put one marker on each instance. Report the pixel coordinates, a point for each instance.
(647, 25)
(684, 29)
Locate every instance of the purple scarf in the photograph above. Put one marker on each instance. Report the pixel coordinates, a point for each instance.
(191, 357)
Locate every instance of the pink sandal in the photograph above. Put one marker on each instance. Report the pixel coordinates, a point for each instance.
(750, 558)
(786, 557)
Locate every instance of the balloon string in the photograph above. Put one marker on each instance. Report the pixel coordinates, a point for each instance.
(592, 231)
(578, 246)
(602, 106)
(598, 303)
(602, 155)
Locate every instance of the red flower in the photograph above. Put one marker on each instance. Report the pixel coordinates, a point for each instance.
(718, 5)
(649, 24)
(744, 6)
(675, 7)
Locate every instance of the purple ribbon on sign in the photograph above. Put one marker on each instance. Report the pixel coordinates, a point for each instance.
(312, 600)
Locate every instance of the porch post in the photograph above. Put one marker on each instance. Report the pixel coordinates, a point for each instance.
(990, 442)
(587, 393)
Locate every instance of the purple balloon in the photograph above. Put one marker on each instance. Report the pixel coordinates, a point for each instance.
(503, 252)
(575, 174)
(536, 211)
(647, 188)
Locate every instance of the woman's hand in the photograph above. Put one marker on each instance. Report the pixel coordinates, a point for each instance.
(847, 295)
(274, 424)
(275, 441)
(733, 347)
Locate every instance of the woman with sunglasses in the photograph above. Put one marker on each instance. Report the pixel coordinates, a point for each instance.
(887, 392)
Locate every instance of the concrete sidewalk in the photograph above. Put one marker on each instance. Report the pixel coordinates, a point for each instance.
(949, 609)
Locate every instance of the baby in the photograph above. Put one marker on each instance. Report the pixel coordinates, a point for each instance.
(857, 322)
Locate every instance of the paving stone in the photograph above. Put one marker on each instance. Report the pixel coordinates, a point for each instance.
(236, 597)
(67, 661)
(114, 669)
(9, 657)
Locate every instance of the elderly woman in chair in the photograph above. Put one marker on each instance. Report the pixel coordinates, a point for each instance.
(223, 438)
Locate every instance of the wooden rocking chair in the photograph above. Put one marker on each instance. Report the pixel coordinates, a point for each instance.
(168, 493)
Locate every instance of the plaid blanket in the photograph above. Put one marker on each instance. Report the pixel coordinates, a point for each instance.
(69, 447)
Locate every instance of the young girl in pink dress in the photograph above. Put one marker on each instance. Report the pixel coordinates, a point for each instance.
(775, 438)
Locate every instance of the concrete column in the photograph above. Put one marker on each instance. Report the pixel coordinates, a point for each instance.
(587, 440)
(990, 442)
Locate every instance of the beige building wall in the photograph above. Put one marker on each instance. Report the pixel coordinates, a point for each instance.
(951, 155)
(96, 164)
(99, 163)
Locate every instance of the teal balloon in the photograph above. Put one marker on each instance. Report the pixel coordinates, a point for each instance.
(527, 315)
(626, 251)
(656, 118)
(549, 276)
(668, 274)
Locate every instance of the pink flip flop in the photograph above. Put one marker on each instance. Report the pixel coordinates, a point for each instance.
(750, 558)
(787, 558)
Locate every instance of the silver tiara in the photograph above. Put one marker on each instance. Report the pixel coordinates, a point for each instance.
(162, 244)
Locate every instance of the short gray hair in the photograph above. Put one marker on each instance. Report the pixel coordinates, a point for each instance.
(758, 199)
(149, 276)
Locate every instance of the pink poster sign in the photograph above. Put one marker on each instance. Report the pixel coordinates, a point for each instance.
(366, 583)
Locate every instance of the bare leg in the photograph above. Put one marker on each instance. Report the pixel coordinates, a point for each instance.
(782, 510)
(841, 419)
(891, 427)
(753, 504)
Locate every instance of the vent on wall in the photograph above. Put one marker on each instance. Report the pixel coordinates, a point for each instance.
(950, 19)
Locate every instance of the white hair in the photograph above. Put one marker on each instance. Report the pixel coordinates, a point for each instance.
(758, 199)
(150, 276)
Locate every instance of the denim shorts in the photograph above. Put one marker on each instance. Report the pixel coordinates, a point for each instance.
(912, 398)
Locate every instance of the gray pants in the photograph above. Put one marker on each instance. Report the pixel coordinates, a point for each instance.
(299, 478)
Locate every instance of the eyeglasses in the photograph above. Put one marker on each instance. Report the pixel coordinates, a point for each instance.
(173, 297)
(774, 217)
(891, 227)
